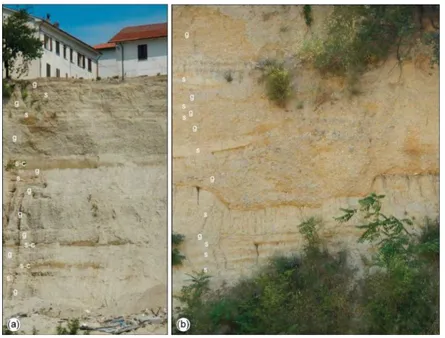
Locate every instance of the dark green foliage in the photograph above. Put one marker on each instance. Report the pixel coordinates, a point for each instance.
(177, 257)
(309, 230)
(403, 297)
(8, 89)
(307, 12)
(228, 76)
(433, 39)
(71, 329)
(363, 35)
(304, 295)
(24, 93)
(177, 239)
(316, 292)
(19, 40)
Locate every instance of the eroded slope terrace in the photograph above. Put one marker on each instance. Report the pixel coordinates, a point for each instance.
(97, 211)
(275, 167)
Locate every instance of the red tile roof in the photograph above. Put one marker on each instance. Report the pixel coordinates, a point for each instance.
(105, 45)
(132, 33)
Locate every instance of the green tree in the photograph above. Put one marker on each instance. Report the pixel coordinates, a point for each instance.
(19, 42)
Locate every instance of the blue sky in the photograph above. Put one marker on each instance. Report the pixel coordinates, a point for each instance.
(96, 24)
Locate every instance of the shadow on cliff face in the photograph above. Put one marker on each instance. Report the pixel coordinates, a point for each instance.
(316, 292)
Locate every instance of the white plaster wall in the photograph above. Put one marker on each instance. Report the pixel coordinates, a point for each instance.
(108, 65)
(155, 63)
(67, 68)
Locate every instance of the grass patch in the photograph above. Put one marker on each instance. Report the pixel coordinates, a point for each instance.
(315, 291)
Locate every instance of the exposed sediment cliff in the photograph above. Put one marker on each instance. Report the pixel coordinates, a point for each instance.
(275, 167)
(97, 208)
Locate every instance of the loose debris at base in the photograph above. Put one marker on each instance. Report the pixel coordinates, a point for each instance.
(120, 324)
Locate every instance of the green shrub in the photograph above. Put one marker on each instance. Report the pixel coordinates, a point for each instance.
(303, 294)
(277, 80)
(278, 85)
(177, 257)
(71, 329)
(8, 89)
(317, 292)
(403, 297)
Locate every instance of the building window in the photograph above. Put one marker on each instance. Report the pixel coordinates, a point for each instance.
(89, 65)
(71, 55)
(48, 70)
(57, 72)
(142, 52)
(81, 60)
(57, 47)
(48, 42)
(64, 52)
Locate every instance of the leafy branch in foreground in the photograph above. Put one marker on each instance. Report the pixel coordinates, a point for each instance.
(387, 232)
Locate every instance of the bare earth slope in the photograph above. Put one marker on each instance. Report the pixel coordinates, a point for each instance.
(97, 209)
(275, 167)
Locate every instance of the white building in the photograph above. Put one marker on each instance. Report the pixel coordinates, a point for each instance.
(63, 54)
(135, 51)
